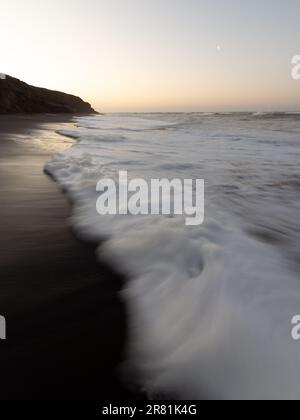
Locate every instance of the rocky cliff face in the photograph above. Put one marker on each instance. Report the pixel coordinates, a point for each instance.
(16, 97)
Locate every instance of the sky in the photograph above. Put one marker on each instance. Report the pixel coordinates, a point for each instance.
(159, 55)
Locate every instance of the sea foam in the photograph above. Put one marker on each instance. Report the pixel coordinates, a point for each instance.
(210, 307)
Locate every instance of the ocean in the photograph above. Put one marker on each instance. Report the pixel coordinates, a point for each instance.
(210, 306)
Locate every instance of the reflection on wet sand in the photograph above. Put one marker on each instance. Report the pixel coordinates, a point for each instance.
(66, 325)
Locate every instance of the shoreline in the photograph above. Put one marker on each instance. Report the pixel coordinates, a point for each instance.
(66, 324)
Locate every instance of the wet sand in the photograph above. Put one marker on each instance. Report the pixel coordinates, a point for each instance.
(66, 326)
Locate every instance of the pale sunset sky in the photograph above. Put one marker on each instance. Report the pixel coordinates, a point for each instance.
(159, 55)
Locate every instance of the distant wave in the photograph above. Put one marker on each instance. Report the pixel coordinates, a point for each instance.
(274, 115)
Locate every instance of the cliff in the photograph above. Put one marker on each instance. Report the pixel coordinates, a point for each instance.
(17, 97)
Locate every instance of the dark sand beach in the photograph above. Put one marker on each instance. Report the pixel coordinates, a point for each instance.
(66, 326)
